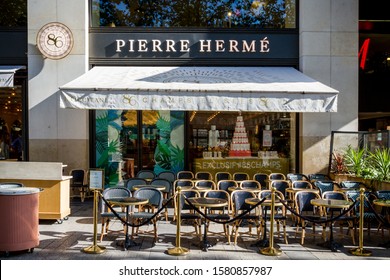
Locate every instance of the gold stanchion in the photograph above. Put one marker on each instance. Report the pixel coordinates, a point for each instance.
(271, 251)
(360, 251)
(178, 250)
(95, 249)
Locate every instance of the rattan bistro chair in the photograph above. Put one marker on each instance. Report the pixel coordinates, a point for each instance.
(347, 218)
(238, 206)
(167, 193)
(131, 182)
(313, 214)
(185, 174)
(106, 214)
(226, 184)
(222, 176)
(240, 176)
(148, 175)
(203, 176)
(262, 178)
(221, 214)
(188, 214)
(147, 211)
(78, 182)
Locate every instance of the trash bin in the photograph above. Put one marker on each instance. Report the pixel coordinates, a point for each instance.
(19, 219)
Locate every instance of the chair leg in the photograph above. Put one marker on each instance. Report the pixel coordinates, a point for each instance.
(155, 230)
(284, 232)
(103, 229)
(303, 234)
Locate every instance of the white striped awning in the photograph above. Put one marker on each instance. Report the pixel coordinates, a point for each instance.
(270, 89)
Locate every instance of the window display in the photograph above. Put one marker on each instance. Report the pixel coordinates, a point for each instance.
(245, 140)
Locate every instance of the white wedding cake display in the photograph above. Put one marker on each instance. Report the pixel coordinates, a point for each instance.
(240, 146)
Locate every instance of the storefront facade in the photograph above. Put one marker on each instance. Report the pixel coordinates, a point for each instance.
(280, 138)
(13, 81)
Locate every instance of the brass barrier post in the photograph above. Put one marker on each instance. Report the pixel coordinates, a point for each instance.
(178, 250)
(271, 251)
(95, 249)
(360, 251)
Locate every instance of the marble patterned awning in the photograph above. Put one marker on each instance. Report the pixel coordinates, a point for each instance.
(253, 89)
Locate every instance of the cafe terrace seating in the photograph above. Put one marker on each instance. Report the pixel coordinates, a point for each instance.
(240, 176)
(202, 185)
(203, 176)
(226, 184)
(262, 178)
(352, 185)
(276, 176)
(145, 174)
(185, 174)
(326, 186)
(155, 198)
(182, 183)
(368, 216)
(385, 211)
(250, 184)
(78, 182)
(189, 214)
(106, 214)
(280, 185)
(297, 176)
(167, 193)
(307, 210)
(168, 175)
(318, 176)
(221, 214)
(348, 218)
(131, 182)
(222, 176)
(280, 212)
(238, 206)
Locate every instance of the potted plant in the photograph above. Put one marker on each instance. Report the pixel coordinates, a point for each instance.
(338, 167)
(356, 160)
(379, 169)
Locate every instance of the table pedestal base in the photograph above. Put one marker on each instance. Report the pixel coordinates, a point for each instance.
(127, 243)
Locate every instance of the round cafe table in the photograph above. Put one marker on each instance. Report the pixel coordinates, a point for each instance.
(207, 203)
(333, 204)
(127, 202)
(264, 242)
(383, 203)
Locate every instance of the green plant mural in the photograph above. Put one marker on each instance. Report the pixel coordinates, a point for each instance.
(168, 155)
(108, 145)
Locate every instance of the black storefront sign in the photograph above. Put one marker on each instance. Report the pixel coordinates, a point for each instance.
(195, 47)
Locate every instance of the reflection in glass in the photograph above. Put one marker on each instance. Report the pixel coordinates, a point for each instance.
(195, 13)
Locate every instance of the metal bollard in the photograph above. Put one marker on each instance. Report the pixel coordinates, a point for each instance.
(95, 249)
(178, 250)
(360, 251)
(271, 251)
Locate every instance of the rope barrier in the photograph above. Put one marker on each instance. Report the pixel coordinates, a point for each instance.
(227, 221)
(146, 221)
(328, 220)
